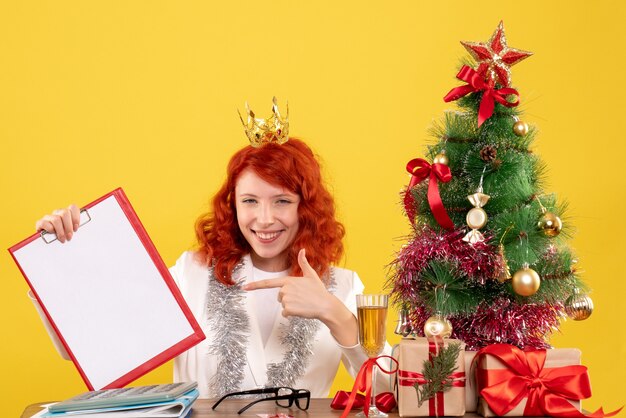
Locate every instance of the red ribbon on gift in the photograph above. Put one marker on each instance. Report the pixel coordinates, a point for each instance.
(436, 404)
(363, 383)
(421, 169)
(384, 401)
(476, 82)
(547, 389)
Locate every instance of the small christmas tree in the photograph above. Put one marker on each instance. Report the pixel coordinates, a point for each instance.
(487, 260)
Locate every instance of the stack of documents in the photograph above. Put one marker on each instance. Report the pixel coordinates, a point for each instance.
(171, 401)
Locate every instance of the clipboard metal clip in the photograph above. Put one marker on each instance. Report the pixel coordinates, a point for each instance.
(49, 237)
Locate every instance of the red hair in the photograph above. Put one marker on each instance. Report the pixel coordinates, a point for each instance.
(293, 166)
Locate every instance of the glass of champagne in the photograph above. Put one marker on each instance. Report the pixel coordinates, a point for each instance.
(372, 316)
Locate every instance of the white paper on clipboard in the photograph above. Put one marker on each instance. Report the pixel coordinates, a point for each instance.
(109, 295)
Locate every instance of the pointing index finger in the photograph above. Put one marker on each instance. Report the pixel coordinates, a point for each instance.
(266, 284)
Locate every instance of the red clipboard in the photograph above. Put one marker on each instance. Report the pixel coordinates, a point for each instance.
(108, 295)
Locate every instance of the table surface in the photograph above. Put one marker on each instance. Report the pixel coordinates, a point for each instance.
(202, 408)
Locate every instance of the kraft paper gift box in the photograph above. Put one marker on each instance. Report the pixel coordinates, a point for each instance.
(555, 358)
(471, 392)
(411, 356)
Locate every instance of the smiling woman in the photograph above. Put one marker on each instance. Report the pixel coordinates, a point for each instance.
(272, 214)
(274, 309)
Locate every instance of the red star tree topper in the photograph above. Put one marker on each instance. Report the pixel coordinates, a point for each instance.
(494, 57)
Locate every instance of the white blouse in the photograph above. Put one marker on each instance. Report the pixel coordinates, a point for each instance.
(197, 364)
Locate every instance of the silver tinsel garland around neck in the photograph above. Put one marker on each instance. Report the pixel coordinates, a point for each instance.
(231, 325)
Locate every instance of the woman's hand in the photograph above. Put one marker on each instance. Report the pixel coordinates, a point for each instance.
(62, 222)
(307, 297)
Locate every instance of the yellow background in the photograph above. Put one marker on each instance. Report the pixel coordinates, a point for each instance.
(143, 95)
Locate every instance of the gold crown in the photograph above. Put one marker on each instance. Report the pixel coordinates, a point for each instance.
(262, 131)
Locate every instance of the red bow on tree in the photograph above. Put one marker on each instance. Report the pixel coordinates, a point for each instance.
(547, 389)
(476, 82)
(421, 169)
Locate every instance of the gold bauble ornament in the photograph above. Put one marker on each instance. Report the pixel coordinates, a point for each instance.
(441, 158)
(520, 128)
(579, 306)
(525, 281)
(437, 326)
(550, 224)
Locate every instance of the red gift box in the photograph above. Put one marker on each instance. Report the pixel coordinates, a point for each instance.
(411, 357)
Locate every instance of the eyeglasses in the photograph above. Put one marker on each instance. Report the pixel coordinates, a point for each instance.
(284, 397)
